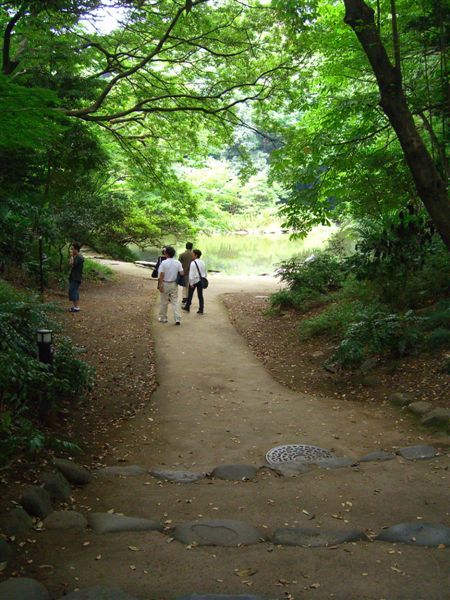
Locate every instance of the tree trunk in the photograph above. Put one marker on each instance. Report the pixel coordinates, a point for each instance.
(430, 186)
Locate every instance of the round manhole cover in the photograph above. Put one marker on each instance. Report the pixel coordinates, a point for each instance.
(290, 452)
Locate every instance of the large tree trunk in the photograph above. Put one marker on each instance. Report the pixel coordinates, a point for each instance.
(429, 183)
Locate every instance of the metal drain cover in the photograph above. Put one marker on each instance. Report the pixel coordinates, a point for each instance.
(290, 452)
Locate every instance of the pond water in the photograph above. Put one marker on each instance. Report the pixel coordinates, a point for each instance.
(252, 254)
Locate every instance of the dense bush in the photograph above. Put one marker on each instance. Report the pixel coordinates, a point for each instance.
(331, 321)
(308, 281)
(396, 266)
(374, 332)
(26, 385)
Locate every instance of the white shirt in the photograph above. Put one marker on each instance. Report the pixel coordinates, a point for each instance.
(170, 267)
(193, 272)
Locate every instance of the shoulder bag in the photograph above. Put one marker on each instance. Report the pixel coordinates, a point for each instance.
(203, 281)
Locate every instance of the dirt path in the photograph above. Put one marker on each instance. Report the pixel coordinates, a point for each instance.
(216, 404)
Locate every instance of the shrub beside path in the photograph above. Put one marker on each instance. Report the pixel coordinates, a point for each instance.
(216, 405)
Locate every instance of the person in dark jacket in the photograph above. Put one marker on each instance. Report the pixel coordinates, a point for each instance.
(75, 276)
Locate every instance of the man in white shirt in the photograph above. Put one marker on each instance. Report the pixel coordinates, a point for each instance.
(168, 286)
(197, 270)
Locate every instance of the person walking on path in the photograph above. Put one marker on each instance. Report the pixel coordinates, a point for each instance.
(75, 276)
(185, 259)
(168, 286)
(197, 270)
(155, 272)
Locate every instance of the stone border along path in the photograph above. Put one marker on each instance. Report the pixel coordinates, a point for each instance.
(37, 501)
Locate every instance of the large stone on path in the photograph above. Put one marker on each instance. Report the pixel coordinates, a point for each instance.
(218, 597)
(176, 476)
(400, 399)
(74, 473)
(15, 522)
(6, 552)
(419, 534)
(110, 523)
(57, 486)
(238, 472)
(36, 501)
(337, 462)
(22, 588)
(316, 538)
(66, 520)
(439, 417)
(121, 471)
(420, 407)
(217, 532)
(417, 452)
(291, 469)
(99, 593)
(377, 456)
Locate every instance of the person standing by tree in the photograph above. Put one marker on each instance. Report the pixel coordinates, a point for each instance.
(168, 286)
(185, 259)
(197, 270)
(75, 276)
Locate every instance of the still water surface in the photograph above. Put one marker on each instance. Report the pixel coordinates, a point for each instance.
(251, 254)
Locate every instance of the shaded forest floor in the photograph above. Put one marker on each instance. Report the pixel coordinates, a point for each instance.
(299, 364)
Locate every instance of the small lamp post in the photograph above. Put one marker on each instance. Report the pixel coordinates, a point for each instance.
(44, 338)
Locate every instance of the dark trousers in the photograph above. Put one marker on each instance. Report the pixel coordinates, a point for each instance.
(199, 288)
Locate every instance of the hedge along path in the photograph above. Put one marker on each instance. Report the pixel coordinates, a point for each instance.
(217, 405)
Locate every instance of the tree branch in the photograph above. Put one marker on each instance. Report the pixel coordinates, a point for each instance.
(82, 112)
(9, 65)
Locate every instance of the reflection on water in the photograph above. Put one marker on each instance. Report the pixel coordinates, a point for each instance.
(249, 254)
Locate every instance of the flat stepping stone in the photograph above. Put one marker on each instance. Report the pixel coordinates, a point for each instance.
(238, 472)
(335, 463)
(74, 473)
(110, 523)
(218, 597)
(176, 476)
(15, 522)
(128, 471)
(439, 417)
(99, 593)
(57, 486)
(66, 520)
(23, 588)
(316, 538)
(290, 452)
(6, 553)
(291, 469)
(377, 456)
(400, 399)
(417, 452)
(420, 407)
(36, 501)
(419, 534)
(217, 532)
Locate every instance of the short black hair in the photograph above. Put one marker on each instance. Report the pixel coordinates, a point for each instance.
(170, 251)
(197, 252)
(189, 245)
(76, 245)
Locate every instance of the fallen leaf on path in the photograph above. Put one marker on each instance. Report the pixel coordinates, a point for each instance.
(133, 548)
(245, 572)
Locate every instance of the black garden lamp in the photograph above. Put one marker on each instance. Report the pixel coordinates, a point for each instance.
(44, 338)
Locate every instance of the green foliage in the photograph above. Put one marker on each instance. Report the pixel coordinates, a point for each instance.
(332, 320)
(26, 385)
(319, 273)
(340, 157)
(375, 332)
(95, 270)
